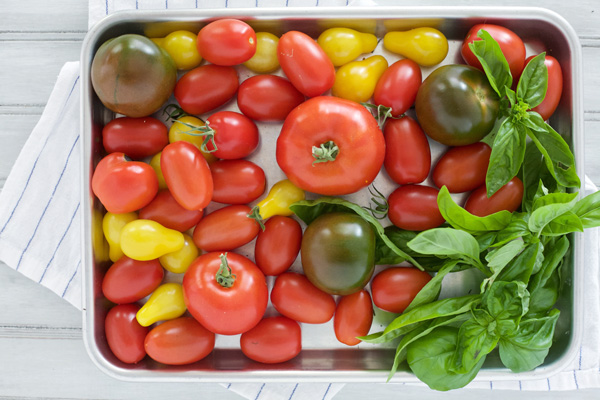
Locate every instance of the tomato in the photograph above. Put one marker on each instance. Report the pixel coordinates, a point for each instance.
(155, 164)
(165, 303)
(235, 136)
(225, 229)
(407, 153)
(319, 128)
(268, 98)
(462, 168)
(343, 45)
(356, 80)
(179, 261)
(237, 181)
(456, 105)
(123, 186)
(295, 297)
(338, 252)
(128, 280)
(112, 224)
(273, 340)
(305, 64)
(136, 137)
(415, 208)
(278, 245)
(221, 309)
(281, 196)
(181, 46)
(121, 70)
(125, 336)
(205, 88)
(555, 86)
(397, 88)
(165, 210)
(187, 175)
(508, 197)
(511, 45)
(179, 341)
(395, 288)
(426, 46)
(144, 240)
(227, 42)
(353, 317)
(189, 129)
(264, 59)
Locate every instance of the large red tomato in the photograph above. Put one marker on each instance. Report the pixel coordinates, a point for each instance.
(508, 198)
(555, 86)
(226, 42)
(462, 168)
(278, 245)
(226, 229)
(125, 336)
(398, 86)
(205, 88)
(273, 340)
(136, 137)
(407, 153)
(129, 280)
(415, 208)
(395, 288)
(165, 210)
(353, 317)
(268, 98)
(237, 181)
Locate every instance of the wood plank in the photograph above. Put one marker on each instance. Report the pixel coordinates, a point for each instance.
(44, 16)
(592, 150)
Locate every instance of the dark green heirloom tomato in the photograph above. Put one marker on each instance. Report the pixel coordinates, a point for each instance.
(338, 252)
(456, 105)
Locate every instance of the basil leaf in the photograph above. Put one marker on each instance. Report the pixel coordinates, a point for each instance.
(533, 83)
(507, 300)
(475, 341)
(507, 155)
(588, 210)
(543, 287)
(535, 176)
(517, 228)
(521, 267)
(486, 240)
(449, 242)
(566, 223)
(553, 198)
(549, 207)
(431, 290)
(494, 64)
(512, 96)
(499, 258)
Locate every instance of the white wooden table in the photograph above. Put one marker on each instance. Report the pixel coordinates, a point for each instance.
(41, 348)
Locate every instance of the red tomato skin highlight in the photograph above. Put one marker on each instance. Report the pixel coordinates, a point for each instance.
(407, 153)
(398, 86)
(128, 280)
(136, 137)
(165, 210)
(508, 197)
(225, 229)
(226, 42)
(268, 98)
(125, 336)
(462, 168)
(555, 85)
(206, 88)
(414, 208)
(393, 289)
(273, 340)
(277, 247)
(237, 181)
(353, 317)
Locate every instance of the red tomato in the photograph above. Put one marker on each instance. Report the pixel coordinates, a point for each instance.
(407, 154)
(327, 121)
(268, 98)
(398, 86)
(187, 175)
(555, 86)
(295, 297)
(179, 341)
(414, 208)
(353, 317)
(273, 340)
(225, 310)
(123, 186)
(205, 88)
(508, 197)
(136, 137)
(395, 288)
(125, 336)
(226, 42)
(511, 45)
(226, 229)
(237, 181)
(278, 245)
(165, 210)
(305, 64)
(462, 168)
(128, 280)
(236, 135)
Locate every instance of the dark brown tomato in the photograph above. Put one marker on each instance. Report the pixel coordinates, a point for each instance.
(237, 181)
(353, 317)
(128, 280)
(508, 197)
(225, 229)
(462, 168)
(268, 98)
(165, 210)
(278, 245)
(415, 208)
(125, 336)
(136, 137)
(272, 340)
(407, 153)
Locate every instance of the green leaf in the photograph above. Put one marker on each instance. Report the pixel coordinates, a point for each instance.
(566, 223)
(494, 64)
(521, 267)
(588, 210)
(475, 341)
(499, 258)
(431, 290)
(517, 228)
(511, 95)
(508, 152)
(549, 207)
(507, 300)
(534, 175)
(486, 240)
(448, 242)
(543, 287)
(553, 198)
(533, 83)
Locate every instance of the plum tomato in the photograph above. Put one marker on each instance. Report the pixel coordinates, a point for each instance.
(205, 88)
(508, 198)
(407, 153)
(415, 208)
(136, 137)
(226, 42)
(462, 168)
(235, 135)
(398, 86)
(237, 181)
(353, 317)
(555, 86)
(225, 229)
(268, 98)
(165, 210)
(278, 245)
(129, 280)
(125, 336)
(394, 288)
(273, 340)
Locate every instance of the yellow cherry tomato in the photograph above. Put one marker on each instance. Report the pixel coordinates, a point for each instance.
(144, 240)
(112, 225)
(181, 46)
(185, 128)
(265, 59)
(99, 244)
(425, 46)
(166, 302)
(281, 196)
(155, 164)
(179, 261)
(356, 80)
(343, 45)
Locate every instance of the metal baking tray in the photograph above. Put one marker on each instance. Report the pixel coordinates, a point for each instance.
(323, 358)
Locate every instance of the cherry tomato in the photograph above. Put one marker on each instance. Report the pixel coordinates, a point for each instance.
(343, 45)
(426, 46)
(136, 137)
(125, 336)
(268, 98)
(319, 128)
(407, 154)
(165, 210)
(227, 42)
(264, 59)
(205, 88)
(179, 341)
(226, 229)
(278, 245)
(182, 47)
(273, 340)
(225, 310)
(295, 297)
(415, 208)
(356, 80)
(511, 45)
(187, 128)
(129, 280)
(353, 317)
(155, 164)
(236, 136)
(462, 168)
(187, 175)
(555, 86)
(237, 181)
(123, 186)
(305, 64)
(398, 86)
(508, 197)
(395, 288)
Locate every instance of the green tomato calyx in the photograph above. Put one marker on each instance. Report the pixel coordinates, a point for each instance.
(328, 151)
(224, 276)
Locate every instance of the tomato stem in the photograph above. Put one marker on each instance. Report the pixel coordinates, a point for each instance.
(381, 205)
(206, 131)
(328, 151)
(382, 113)
(255, 215)
(224, 276)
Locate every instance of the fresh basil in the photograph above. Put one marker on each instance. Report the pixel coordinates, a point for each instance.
(494, 64)
(499, 258)
(544, 286)
(521, 267)
(566, 223)
(507, 300)
(476, 339)
(533, 83)
(431, 290)
(548, 208)
(588, 210)
(517, 228)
